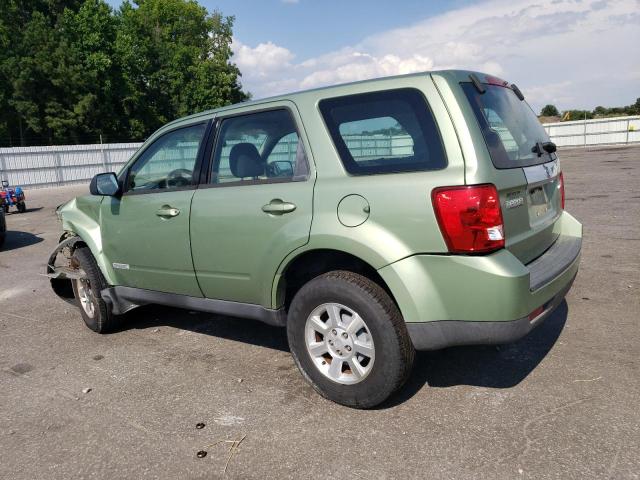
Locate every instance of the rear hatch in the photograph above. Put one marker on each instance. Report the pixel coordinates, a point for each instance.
(526, 169)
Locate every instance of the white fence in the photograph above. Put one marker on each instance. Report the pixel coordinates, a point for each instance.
(604, 131)
(36, 167)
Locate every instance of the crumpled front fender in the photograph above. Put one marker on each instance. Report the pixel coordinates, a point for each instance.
(61, 275)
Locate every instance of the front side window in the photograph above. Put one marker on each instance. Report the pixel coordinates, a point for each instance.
(384, 132)
(260, 146)
(169, 162)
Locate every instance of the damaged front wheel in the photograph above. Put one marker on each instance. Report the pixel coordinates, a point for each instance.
(94, 310)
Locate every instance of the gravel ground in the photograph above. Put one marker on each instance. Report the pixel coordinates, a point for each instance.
(561, 403)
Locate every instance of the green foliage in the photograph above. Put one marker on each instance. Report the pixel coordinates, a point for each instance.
(550, 111)
(71, 71)
(602, 112)
(577, 115)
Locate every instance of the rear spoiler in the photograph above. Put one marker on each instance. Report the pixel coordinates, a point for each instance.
(480, 87)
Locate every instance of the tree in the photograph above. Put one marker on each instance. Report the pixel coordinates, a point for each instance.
(72, 70)
(27, 65)
(550, 111)
(578, 115)
(176, 61)
(64, 88)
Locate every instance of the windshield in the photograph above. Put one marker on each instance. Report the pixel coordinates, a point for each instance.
(509, 126)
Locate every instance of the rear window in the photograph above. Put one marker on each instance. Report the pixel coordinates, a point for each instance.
(384, 132)
(510, 128)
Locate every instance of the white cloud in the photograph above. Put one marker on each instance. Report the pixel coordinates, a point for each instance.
(261, 60)
(556, 50)
(291, 2)
(360, 66)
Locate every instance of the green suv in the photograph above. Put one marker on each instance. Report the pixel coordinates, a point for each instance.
(370, 219)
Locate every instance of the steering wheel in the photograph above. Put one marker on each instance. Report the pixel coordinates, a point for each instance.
(180, 177)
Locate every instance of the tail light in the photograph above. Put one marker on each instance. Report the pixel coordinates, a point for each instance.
(470, 218)
(536, 313)
(561, 187)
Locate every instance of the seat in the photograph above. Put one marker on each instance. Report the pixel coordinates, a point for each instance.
(245, 161)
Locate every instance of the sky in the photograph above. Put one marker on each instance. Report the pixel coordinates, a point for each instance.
(571, 53)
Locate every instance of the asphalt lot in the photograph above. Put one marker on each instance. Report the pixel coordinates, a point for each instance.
(561, 403)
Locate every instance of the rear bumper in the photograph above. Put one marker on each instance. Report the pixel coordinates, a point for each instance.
(451, 300)
(440, 334)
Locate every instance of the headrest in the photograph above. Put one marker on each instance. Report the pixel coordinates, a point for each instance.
(245, 161)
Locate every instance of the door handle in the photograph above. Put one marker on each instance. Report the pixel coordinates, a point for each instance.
(167, 211)
(278, 207)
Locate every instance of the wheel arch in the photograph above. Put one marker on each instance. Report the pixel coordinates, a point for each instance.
(72, 240)
(81, 217)
(310, 263)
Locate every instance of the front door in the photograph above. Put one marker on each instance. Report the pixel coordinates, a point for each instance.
(146, 231)
(256, 208)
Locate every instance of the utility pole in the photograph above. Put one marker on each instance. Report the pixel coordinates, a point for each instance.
(20, 128)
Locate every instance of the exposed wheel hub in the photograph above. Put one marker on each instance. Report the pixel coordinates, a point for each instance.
(339, 343)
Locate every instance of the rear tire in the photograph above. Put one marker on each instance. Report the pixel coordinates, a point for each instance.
(22, 207)
(95, 312)
(369, 339)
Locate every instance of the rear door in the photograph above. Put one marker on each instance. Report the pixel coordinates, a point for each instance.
(527, 176)
(256, 207)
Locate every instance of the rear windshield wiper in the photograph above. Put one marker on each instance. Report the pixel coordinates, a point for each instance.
(517, 91)
(540, 148)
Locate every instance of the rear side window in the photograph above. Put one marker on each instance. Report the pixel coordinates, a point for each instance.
(510, 128)
(384, 132)
(259, 147)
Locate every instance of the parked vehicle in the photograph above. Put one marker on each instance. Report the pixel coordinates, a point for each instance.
(370, 219)
(12, 197)
(3, 227)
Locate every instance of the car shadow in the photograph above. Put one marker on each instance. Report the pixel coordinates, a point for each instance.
(34, 209)
(236, 329)
(28, 210)
(502, 366)
(16, 239)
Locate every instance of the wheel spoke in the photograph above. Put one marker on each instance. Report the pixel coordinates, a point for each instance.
(333, 311)
(356, 324)
(318, 325)
(85, 296)
(317, 349)
(335, 370)
(363, 349)
(356, 368)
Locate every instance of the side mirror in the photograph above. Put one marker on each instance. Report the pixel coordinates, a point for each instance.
(105, 184)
